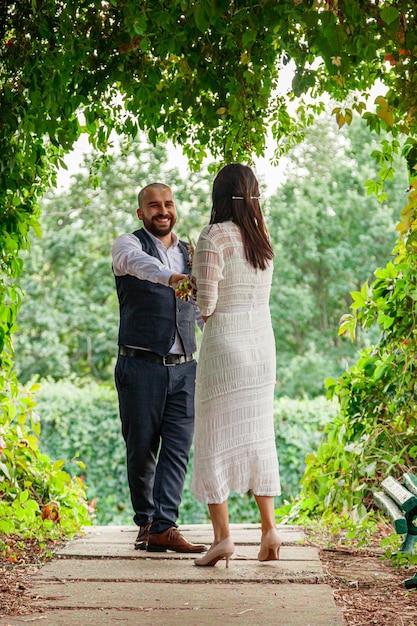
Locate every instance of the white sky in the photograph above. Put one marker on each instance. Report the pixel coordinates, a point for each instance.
(267, 174)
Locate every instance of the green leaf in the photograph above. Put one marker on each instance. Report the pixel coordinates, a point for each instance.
(4, 468)
(389, 14)
(358, 300)
(201, 16)
(7, 526)
(23, 496)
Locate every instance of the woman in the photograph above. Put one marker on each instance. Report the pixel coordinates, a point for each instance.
(234, 442)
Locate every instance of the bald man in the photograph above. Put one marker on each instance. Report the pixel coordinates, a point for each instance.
(156, 369)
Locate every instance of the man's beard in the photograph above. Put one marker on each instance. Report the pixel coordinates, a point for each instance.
(159, 231)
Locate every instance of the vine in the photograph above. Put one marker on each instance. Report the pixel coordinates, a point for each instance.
(373, 435)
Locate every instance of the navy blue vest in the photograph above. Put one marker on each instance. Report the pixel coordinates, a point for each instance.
(150, 313)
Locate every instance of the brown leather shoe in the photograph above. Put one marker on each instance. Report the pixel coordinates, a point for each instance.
(172, 539)
(143, 536)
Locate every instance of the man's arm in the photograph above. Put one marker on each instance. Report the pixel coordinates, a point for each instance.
(129, 258)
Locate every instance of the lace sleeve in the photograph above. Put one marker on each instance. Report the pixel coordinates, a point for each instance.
(207, 269)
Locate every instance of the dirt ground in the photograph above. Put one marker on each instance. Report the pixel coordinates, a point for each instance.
(17, 565)
(368, 589)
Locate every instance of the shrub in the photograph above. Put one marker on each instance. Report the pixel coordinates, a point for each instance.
(38, 499)
(80, 421)
(299, 427)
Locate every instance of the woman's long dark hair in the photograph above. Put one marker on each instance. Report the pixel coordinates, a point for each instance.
(236, 197)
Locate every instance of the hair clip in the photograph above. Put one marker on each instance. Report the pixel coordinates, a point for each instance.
(242, 198)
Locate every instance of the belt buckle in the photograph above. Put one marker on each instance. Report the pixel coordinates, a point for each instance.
(167, 364)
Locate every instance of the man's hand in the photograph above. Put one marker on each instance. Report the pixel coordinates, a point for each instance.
(177, 278)
(186, 290)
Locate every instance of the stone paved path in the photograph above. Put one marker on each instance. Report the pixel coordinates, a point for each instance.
(99, 579)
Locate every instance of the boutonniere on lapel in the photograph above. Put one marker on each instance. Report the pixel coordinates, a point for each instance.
(191, 249)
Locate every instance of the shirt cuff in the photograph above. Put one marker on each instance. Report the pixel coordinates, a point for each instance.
(165, 274)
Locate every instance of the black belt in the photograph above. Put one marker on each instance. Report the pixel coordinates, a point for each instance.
(145, 355)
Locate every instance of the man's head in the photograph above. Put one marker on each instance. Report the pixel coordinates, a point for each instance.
(157, 209)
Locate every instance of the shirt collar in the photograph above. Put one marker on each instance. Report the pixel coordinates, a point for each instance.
(175, 239)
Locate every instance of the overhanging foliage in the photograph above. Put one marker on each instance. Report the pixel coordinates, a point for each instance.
(203, 73)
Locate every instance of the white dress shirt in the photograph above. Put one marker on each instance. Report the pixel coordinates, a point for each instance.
(129, 258)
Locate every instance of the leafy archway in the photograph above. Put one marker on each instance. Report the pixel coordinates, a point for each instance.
(201, 73)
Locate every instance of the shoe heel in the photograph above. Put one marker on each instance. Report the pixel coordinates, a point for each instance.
(223, 550)
(270, 547)
(273, 553)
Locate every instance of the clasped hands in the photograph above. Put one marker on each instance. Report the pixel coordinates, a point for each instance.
(185, 286)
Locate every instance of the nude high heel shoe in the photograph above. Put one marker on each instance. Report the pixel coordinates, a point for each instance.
(222, 550)
(270, 546)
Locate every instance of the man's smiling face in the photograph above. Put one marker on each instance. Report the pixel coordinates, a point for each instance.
(157, 210)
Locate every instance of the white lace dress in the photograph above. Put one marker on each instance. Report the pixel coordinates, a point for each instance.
(234, 443)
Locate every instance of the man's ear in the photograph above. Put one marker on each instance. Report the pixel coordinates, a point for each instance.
(139, 213)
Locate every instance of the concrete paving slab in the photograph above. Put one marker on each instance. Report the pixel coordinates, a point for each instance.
(87, 549)
(129, 604)
(180, 569)
(201, 533)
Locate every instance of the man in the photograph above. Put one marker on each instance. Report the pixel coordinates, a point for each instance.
(155, 370)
